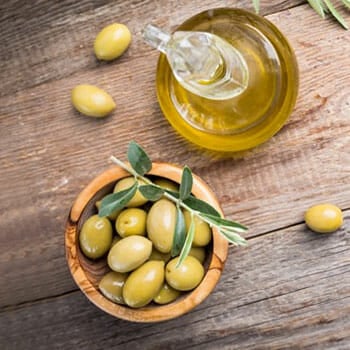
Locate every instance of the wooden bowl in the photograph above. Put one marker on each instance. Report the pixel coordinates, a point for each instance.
(88, 273)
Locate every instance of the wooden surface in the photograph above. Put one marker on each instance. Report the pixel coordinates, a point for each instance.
(289, 288)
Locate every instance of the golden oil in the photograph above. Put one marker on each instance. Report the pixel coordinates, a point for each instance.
(254, 115)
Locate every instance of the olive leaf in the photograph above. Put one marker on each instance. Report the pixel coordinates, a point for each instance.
(233, 237)
(151, 192)
(188, 243)
(318, 6)
(186, 183)
(256, 4)
(321, 7)
(346, 3)
(324, 6)
(336, 14)
(179, 233)
(138, 159)
(116, 201)
(201, 206)
(196, 204)
(173, 193)
(227, 224)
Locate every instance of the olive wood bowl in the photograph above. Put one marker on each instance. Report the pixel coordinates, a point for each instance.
(88, 273)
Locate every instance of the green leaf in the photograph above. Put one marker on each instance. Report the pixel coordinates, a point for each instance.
(233, 237)
(227, 224)
(116, 201)
(201, 206)
(138, 159)
(187, 245)
(325, 6)
(256, 4)
(186, 183)
(336, 14)
(346, 3)
(174, 194)
(317, 5)
(151, 192)
(196, 204)
(179, 234)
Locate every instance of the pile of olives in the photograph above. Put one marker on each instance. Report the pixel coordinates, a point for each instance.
(137, 241)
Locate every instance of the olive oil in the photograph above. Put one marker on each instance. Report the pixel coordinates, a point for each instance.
(259, 110)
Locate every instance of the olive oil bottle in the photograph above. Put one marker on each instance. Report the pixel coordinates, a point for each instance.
(227, 79)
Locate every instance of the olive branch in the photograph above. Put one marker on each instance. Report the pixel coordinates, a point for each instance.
(139, 165)
(322, 7)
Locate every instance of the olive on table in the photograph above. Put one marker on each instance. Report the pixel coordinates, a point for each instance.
(112, 41)
(95, 237)
(202, 231)
(92, 101)
(111, 286)
(129, 253)
(131, 221)
(161, 221)
(324, 218)
(185, 277)
(138, 199)
(143, 284)
(166, 295)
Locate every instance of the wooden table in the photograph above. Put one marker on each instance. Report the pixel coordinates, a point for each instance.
(290, 288)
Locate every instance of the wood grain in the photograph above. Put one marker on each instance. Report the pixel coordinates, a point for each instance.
(50, 40)
(287, 290)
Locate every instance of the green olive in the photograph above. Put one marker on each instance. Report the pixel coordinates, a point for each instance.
(166, 295)
(202, 233)
(95, 237)
(198, 253)
(131, 221)
(161, 221)
(111, 286)
(92, 101)
(111, 216)
(185, 277)
(157, 255)
(143, 284)
(126, 183)
(112, 41)
(324, 218)
(167, 184)
(129, 253)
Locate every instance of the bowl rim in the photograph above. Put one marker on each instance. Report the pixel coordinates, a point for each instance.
(146, 314)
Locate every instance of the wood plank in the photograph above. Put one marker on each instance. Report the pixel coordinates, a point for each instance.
(49, 40)
(49, 153)
(286, 290)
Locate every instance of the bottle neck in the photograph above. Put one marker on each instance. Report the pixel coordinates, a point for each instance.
(202, 63)
(156, 37)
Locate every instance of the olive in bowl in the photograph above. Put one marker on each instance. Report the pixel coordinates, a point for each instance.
(88, 272)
